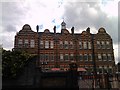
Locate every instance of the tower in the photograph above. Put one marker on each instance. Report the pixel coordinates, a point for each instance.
(63, 25)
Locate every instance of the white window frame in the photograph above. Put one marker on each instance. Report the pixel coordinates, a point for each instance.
(89, 45)
(51, 44)
(32, 43)
(109, 55)
(85, 45)
(80, 45)
(99, 57)
(61, 57)
(20, 41)
(104, 55)
(46, 44)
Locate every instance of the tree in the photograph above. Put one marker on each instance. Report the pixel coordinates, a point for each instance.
(13, 62)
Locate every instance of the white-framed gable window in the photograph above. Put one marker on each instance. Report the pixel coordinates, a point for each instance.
(51, 44)
(80, 45)
(103, 44)
(41, 44)
(71, 45)
(32, 43)
(20, 41)
(46, 44)
(98, 45)
(26, 43)
(107, 44)
(66, 44)
(85, 45)
(61, 44)
(89, 45)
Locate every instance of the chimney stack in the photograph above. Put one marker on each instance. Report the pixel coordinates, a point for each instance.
(88, 30)
(72, 30)
(54, 29)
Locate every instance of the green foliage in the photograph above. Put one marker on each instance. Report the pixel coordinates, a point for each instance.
(13, 62)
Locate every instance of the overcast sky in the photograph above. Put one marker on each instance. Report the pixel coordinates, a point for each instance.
(47, 13)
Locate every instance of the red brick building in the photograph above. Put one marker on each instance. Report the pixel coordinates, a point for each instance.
(60, 49)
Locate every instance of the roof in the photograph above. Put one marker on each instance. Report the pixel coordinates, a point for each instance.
(55, 69)
(81, 69)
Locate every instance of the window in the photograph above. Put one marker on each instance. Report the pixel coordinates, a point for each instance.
(66, 44)
(104, 57)
(51, 57)
(71, 45)
(80, 45)
(89, 45)
(61, 44)
(107, 44)
(71, 56)
(90, 57)
(61, 56)
(85, 57)
(99, 57)
(41, 44)
(103, 44)
(109, 57)
(66, 57)
(85, 45)
(41, 56)
(32, 43)
(26, 43)
(81, 57)
(46, 44)
(98, 45)
(20, 41)
(51, 44)
(46, 57)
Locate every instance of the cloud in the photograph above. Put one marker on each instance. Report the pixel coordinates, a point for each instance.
(89, 14)
(12, 15)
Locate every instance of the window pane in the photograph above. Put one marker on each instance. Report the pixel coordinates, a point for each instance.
(46, 57)
(71, 56)
(61, 56)
(90, 57)
(89, 45)
(80, 45)
(61, 44)
(32, 43)
(71, 45)
(85, 57)
(109, 57)
(20, 41)
(99, 57)
(103, 44)
(104, 57)
(107, 44)
(81, 57)
(41, 44)
(85, 45)
(98, 45)
(66, 44)
(26, 41)
(46, 44)
(51, 44)
(66, 57)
